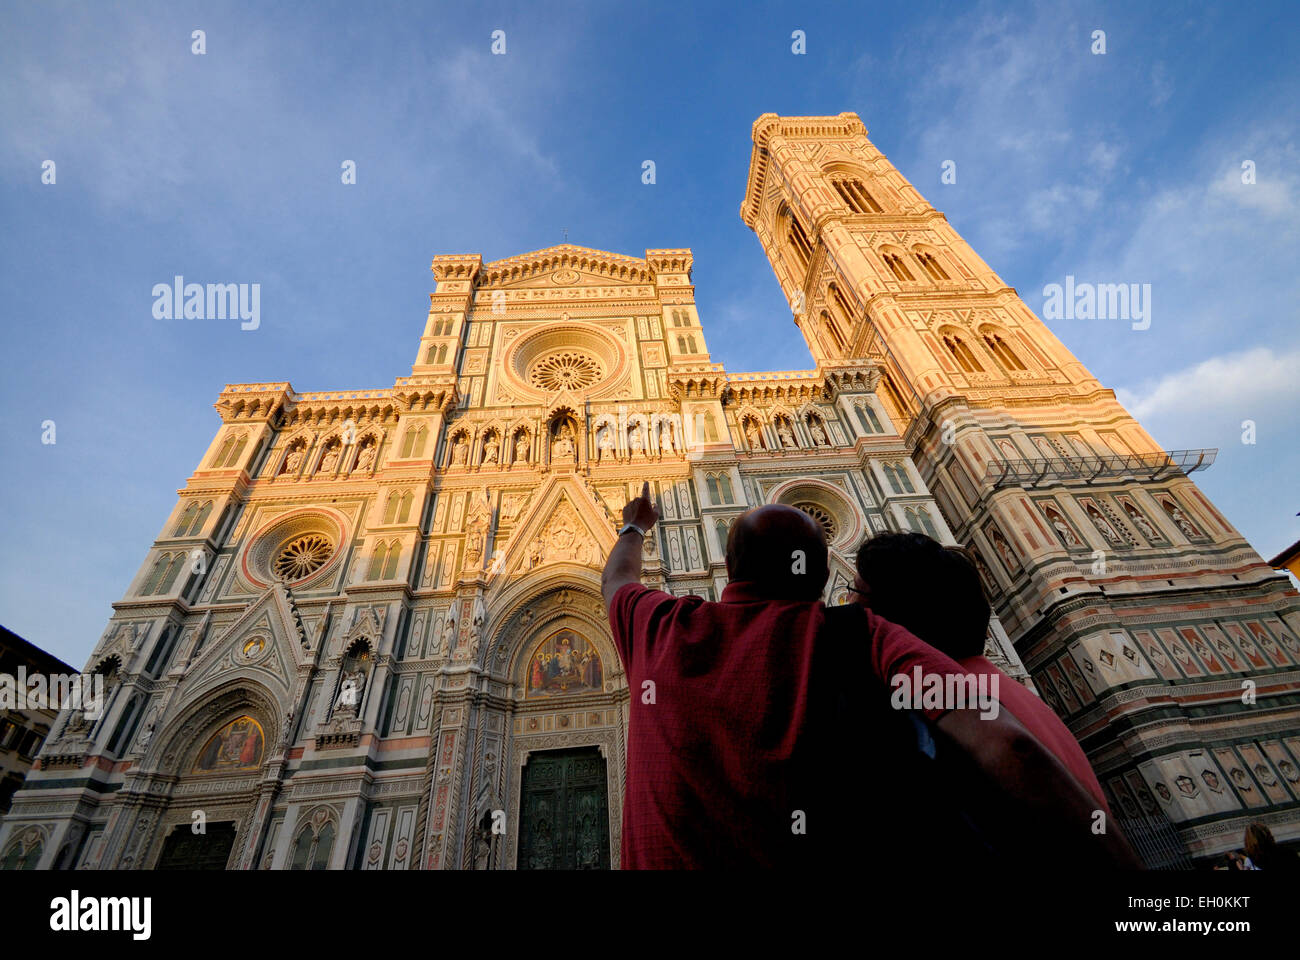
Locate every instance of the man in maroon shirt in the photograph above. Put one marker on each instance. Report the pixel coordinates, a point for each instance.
(729, 700)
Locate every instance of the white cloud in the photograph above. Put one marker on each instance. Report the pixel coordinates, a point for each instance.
(1233, 384)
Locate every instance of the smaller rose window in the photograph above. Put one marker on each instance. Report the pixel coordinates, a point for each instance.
(568, 369)
(302, 557)
(821, 515)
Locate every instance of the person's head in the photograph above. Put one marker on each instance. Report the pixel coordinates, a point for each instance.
(932, 590)
(780, 549)
(1259, 842)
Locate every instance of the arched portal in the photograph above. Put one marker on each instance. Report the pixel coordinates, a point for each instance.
(215, 762)
(563, 733)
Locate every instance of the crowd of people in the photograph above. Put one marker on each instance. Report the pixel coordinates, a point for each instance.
(765, 730)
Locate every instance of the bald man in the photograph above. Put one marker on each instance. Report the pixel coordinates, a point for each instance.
(736, 732)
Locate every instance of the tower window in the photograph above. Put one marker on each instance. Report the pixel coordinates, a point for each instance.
(855, 196)
(897, 267)
(962, 353)
(798, 240)
(837, 341)
(931, 265)
(867, 417)
(1005, 355)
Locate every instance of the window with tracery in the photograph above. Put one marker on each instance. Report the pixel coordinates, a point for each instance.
(302, 556)
(824, 518)
(567, 370)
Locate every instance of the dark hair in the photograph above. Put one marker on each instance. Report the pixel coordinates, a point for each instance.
(761, 550)
(932, 590)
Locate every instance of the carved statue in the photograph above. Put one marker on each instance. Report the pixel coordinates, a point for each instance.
(1180, 518)
(147, 733)
(563, 449)
(478, 519)
(448, 633)
(753, 435)
(635, 444)
(1004, 550)
(536, 552)
(330, 460)
(1100, 523)
(818, 433)
(286, 732)
(1063, 528)
(459, 450)
(293, 461)
(350, 691)
(785, 433)
(367, 458)
(667, 437)
(521, 447)
(604, 444)
(491, 449)
(1141, 522)
(476, 628)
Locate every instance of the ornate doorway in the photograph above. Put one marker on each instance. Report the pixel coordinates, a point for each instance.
(185, 850)
(564, 811)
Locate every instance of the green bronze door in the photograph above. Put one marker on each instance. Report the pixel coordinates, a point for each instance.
(564, 811)
(185, 850)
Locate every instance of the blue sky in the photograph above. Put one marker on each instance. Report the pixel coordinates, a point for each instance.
(1122, 167)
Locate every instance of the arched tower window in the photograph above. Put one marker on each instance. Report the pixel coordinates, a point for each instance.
(855, 195)
(843, 312)
(894, 261)
(377, 560)
(724, 488)
(867, 417)
(962, 353)
(833, 333)
(1001, 350)
(930, 264)
(223, 452)
(311, 851)
(187, 518)
(796, 239)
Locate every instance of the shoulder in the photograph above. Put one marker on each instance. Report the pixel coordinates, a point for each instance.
(637, 598)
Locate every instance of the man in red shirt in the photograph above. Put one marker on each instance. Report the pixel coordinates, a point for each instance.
(726, 760)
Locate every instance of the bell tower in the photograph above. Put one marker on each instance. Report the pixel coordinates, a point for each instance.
(1135, 605)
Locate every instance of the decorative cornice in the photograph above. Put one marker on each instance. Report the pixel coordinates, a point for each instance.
(769, 126)
(615, 266)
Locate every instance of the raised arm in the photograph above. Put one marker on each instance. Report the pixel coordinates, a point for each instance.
(624, 563)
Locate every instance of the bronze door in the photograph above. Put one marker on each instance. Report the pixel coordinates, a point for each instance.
(564, 811)
(185, 850)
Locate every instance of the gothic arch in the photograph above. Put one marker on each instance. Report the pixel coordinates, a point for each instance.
(172, 756)
(207, 710)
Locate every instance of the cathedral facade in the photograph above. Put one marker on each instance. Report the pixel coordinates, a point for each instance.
(371, 636)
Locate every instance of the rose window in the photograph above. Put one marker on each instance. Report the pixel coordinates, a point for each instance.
(302, 557)
(568, 370)
(821, 515)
